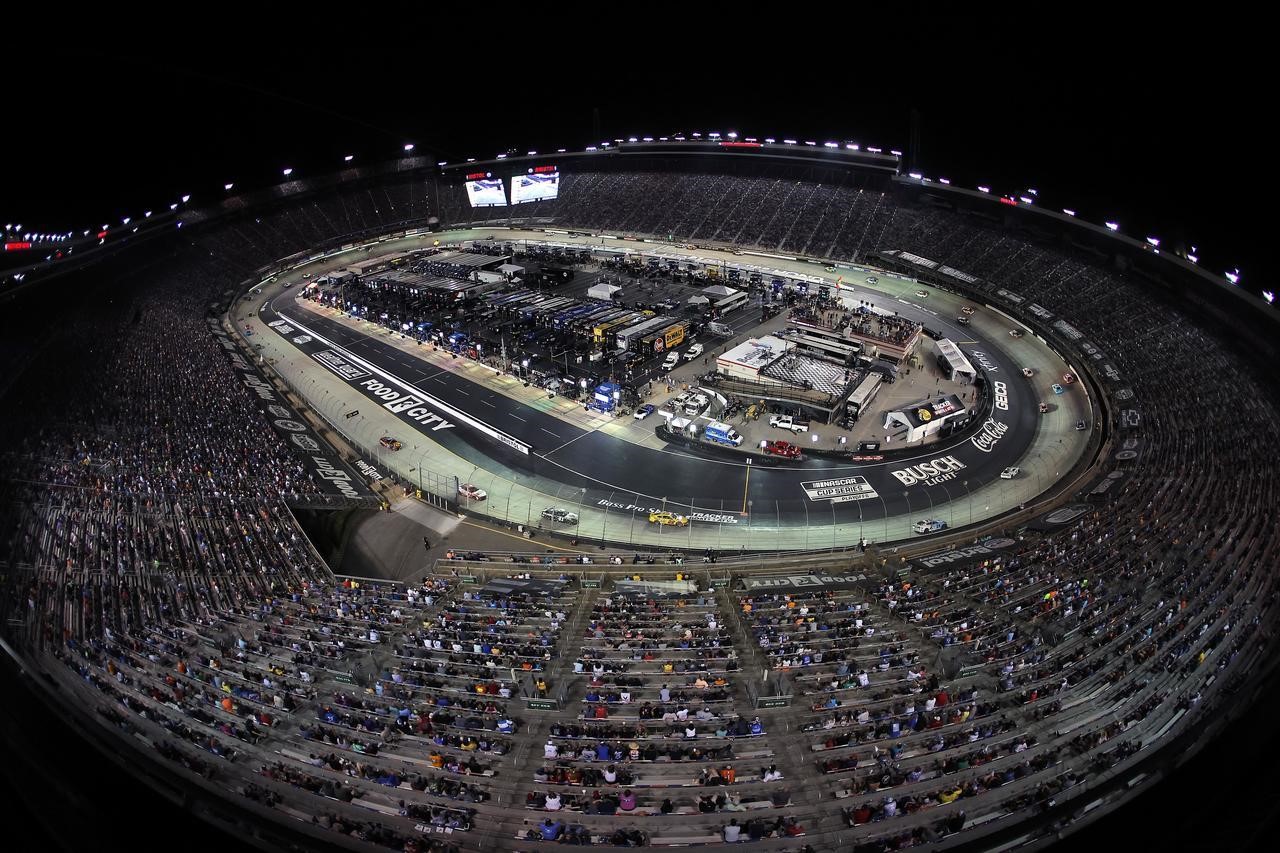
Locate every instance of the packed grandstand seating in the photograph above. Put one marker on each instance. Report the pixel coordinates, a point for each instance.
(149, 548)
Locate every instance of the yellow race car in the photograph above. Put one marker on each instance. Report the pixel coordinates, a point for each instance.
(666, 518)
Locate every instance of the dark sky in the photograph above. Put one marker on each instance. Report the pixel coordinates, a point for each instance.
(1163, 133)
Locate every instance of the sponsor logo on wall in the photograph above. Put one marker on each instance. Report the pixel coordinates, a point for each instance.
(1040, 311)
(696, 515)
(803, 582)
(286, 422)
(1066, 514)
(985, 548)
(1069, 330)
(1015, 298)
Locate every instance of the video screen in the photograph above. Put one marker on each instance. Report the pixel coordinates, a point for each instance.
(487, 193)
(536, 186)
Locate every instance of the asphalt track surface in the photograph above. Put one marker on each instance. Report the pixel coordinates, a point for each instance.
(614, 472)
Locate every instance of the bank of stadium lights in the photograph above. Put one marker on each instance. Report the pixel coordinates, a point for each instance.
(944, 181)
(1026, 199)
(348, 158)
(875, 150)
(984, 189)
(1033, 192)
(1233, 276)
(146, 215)
(1113, 226)
(186, 198)
(732, 135)
(830, 145)
(851, 146)
(173, 206)
(288, 171)
(560, 150)
(1068, 211)
(895, 153)
(408, 146)
(648, 139)
(1154, 241)
(228, 187)
(789, 142)
(769, 140)
(915, 175)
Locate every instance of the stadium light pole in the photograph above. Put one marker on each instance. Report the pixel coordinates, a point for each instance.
(968, 494)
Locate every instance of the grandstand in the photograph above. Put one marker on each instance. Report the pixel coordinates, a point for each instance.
(156, 576)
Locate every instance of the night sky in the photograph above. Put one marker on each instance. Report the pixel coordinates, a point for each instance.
(1136, 126)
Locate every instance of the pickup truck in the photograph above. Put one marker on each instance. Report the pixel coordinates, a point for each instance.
(788, 422)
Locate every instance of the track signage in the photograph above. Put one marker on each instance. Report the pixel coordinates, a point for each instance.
(839, 491)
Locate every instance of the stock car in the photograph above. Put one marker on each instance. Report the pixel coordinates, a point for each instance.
(1044, 407)
(665, 519)
(967, 309)
(923, 294)
(563, 516)
(1028, 372)
(1057, 389)
(929, 525)
(644, 411)
(962, 320)
(784, 449)
(390, 443)
(1015, 333)
(1068, 378)
(472, 492)
(1010, 472)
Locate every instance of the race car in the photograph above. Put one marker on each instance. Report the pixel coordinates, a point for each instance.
(929, 525)
(1057, 389)
(785, 449)
(665, 519)
(644, 411)
(564, 516)
(1015, 333)
(1010, 472)
(472, 492)
(922, 294)
(390, 443)
(962, 320)
(1044, 408)
(1068, 378)
(967, 309)
(872, 279)
(1028, 372)
(1082, 425)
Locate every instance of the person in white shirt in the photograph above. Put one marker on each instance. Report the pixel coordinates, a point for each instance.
(732, 831)
(550, 750)
(553, 802)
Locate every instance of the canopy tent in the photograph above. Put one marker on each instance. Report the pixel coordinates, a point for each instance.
(602, 291)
